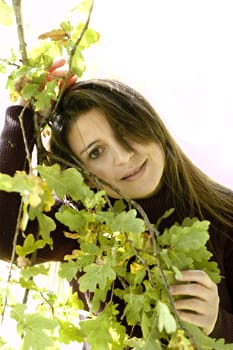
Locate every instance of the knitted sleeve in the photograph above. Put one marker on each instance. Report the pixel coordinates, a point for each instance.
(12, 158)
(12, 150)
(224, 250)
(224, 326)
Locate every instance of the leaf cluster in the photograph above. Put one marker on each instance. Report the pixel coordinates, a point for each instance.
(31, 79)
(116, 259)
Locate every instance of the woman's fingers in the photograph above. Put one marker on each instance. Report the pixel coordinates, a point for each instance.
(59, 69)
(199, 300)
(197, 276)
(191, 304)
(190, 289)
(198, 320)
(57, 64)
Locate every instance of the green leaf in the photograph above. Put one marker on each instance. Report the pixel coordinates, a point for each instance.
(30, 245)
(68, 270)
(133, 314)
(18, 312)
(78, 63)
(149, 327)
(179, 341)
(122, 222)
(96, 275)
(204, 342)
(211, 268)
(95, 200)
(166, 320)
(6, 14)
(2, 68)
(66, 182)
(43, 56)
(99, 298)
(4, 345)
(90, 37)
(68, 332)
(35, 336)
(76, 221)
(34, 328)
(31, 188)
(125, 222)
(152, 344)
(165, 216)
(186, 238)
(32, 271)
(83, 6)
(141, 344)
(104, 332)
(30, 90)
(46, 226)
(28, 284)
(87, 254)
(42, 101)
(119, 206)
(176, 258)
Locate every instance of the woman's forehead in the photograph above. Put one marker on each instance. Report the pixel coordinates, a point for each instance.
(91, 122)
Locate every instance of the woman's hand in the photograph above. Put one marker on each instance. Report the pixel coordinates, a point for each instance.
(59, 69)
(199, 304)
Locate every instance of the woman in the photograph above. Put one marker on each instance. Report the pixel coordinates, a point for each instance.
(116, 135)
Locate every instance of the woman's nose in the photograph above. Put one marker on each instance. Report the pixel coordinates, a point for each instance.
(123, 155)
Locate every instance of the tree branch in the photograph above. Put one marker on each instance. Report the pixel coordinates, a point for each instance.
(13, 254)
(72, 53)
(86, 25)
(28, 153)
(20, 29)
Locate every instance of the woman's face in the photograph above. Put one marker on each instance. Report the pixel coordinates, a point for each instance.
(136, 172)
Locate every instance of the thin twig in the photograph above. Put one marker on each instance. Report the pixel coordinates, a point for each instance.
(20, 29)
(47, 302)
(72, 53)
(153, 234)
(3, 60)
(22, 46)
(85, 27)
(13, 254)
(27, 290)
(26, 146)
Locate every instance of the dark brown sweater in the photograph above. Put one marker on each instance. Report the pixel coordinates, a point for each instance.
(12, 158)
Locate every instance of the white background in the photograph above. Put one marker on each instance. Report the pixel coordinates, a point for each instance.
(178, 53)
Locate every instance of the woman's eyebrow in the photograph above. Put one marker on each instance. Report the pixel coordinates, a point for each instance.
(88, 146)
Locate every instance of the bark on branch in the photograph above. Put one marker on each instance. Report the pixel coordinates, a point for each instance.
(20, 29)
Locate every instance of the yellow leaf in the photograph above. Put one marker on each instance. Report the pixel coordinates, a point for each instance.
(74, 255)
(71, 235)
(134, 267)
(55, 35)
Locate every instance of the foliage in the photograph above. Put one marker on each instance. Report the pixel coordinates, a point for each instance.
(7, 14)
(117, 254)
(113, 244)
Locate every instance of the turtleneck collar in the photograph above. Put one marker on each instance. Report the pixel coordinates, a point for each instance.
(156, 205)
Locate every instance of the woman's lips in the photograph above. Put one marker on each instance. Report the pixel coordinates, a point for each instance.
(136, 174)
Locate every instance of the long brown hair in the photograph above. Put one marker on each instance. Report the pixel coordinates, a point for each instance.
(132, 117)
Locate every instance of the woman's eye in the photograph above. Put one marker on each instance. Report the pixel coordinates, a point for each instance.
(95, 153)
